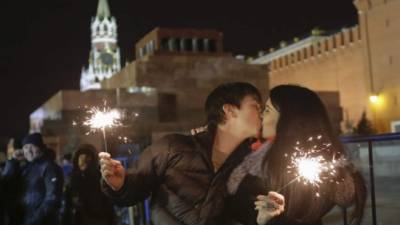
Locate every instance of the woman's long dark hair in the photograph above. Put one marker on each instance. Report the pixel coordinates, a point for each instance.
(303, 115)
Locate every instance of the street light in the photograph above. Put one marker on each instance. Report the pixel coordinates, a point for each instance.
(374, 99)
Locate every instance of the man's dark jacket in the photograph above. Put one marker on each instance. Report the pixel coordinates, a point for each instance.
(178, 174)
(41, 199)
(12, 191)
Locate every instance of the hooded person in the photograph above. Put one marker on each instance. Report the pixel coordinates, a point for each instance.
(89, 205)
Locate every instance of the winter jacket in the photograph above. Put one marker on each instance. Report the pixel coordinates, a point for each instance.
(178, 174)
(12, 191)
(42, 192)
(90, 205)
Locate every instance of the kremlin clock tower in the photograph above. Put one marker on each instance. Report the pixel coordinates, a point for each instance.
(104, 59)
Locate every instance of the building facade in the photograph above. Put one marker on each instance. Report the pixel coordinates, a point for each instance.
(185, 76)
(166, 86)
(360, 63)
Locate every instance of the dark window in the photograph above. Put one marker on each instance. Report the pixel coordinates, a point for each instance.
(341, 39)
(319, 48)
(351, 35)
(164, 44)
(312, 50)
(144, 50)
(188, 44)
(177, 44)
(167, 107)
(200, 45)
(212, 46)
(326, 44)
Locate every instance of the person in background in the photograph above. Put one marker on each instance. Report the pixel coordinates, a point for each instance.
(11, 184)
(42, 183)
(66, 205)
(67, 165)
(89, 204)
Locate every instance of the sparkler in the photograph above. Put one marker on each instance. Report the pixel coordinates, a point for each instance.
(309, 166)
(101, 118)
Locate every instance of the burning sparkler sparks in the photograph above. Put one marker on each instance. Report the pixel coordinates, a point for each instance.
(310, 166)
(101, 118)
(104, 118)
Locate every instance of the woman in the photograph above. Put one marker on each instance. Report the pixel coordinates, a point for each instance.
(294, 114)
(90, 205)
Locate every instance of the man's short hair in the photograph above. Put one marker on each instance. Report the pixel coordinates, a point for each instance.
(228, 93)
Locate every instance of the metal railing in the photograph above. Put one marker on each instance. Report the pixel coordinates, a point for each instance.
(370, 140)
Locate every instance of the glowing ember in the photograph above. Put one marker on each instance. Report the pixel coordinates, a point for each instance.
(309, 166)
(103, 118)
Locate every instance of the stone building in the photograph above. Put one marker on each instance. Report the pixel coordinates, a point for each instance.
(184, 76)
(184, 41)
(166, 85)
(359, 63)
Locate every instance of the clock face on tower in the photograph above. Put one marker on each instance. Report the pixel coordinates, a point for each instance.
(106, 59)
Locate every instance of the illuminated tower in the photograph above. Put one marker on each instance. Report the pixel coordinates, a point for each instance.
(104, 59)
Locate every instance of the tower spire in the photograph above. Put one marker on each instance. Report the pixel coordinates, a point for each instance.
(104, 58)
(103, 10)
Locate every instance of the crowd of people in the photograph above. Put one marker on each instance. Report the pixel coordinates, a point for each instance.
(35, 190)
(217, 175)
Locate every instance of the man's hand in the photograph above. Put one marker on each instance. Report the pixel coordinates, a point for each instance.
(18, 155)
(112, 171)
(269, 206)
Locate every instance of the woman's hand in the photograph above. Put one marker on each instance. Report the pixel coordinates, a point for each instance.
(197, 130)
(269, 206)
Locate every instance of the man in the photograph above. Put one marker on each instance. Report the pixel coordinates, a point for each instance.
(42, 183)
(186, 175)
(11, 184)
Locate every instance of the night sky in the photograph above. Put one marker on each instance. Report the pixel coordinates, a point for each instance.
(45, 43)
